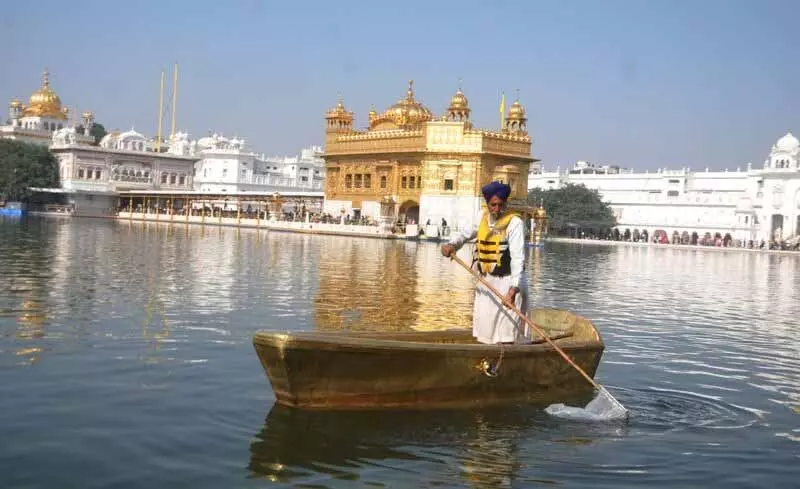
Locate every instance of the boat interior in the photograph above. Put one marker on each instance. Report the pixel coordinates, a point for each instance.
(558, 324)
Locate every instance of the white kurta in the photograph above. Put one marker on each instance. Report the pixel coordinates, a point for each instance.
(492, 322)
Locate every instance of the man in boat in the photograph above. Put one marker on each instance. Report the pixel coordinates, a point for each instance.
(499, 257)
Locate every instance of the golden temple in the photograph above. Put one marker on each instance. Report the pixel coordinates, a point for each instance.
(410, 164)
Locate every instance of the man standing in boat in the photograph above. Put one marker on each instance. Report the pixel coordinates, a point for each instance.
(499, 257)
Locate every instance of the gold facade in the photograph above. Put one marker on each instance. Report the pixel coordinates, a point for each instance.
(406, 152)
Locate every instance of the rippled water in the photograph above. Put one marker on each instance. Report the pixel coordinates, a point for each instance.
(126, 361)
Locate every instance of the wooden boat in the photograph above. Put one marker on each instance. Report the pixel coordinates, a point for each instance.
(438, 369)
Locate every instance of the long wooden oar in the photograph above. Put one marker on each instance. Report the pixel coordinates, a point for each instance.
(541, 333)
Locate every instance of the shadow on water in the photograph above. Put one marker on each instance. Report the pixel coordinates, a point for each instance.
(479, 448)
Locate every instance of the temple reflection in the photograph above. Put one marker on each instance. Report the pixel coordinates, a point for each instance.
(366, 284)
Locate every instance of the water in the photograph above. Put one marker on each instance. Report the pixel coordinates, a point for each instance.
(126, 361)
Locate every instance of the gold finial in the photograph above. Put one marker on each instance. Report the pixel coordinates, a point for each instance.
(45, 78)
(459, 83)
(410, 89)
(517, 94)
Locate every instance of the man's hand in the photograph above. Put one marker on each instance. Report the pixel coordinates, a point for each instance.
(511, 296)
(448, 249)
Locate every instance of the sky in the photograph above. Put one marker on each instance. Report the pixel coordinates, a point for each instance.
(643, 84)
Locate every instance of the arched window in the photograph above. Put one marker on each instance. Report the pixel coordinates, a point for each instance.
(164, 176)
(173, 178)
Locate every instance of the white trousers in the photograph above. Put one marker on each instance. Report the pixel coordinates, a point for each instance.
(492, 322)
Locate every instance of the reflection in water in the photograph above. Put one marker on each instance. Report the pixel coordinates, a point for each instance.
(367, 284)
(128, 345)
(495, 447)
(305, 447)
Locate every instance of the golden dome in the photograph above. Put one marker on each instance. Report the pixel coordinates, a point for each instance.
(339, 112)
(405, 113)
(459, 101)
(44, 102)
(88, 115)
(517, 111)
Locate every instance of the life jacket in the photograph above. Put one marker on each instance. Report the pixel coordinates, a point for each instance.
(491, 248)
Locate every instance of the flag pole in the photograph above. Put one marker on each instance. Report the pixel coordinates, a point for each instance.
(502, 109)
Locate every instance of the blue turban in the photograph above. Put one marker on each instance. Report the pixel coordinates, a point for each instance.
(496, 188)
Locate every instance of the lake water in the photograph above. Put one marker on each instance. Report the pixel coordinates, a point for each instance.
(126, 361)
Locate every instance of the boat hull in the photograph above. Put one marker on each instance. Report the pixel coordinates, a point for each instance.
(444, 369)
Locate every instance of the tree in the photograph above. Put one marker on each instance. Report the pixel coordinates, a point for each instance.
(25, 165)
(574, 207)
(98, 131)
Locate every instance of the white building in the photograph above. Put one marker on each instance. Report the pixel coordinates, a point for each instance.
(229, 166)
(750, 204)
(92, 176)
(43, 116)
(305, 170)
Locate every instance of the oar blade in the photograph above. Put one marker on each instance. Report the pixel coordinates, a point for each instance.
(604, 407)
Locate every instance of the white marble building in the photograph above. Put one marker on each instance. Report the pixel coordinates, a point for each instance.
(92, 176)
(748, 203)
(229, 166)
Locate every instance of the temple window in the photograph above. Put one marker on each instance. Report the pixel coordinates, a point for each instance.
(358, 180)
(448, 184)
(173, 178)
(367, 181)
(348, 181)
(147, 175)
(224, 172)
(411, 183)
(182, 179)
(80, 173)
(404, 182)
(97, 174)
(383, 181)
(672, 193)
(164, 178)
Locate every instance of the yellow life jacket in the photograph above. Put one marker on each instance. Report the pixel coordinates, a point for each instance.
(491, 247)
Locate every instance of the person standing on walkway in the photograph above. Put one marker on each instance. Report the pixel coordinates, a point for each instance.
(499, 256)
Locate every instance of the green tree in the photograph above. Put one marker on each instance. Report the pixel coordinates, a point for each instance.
(574, 207)
(98, 131)
(25, 165)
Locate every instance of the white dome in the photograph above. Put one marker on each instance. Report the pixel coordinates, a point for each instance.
(787, 143)
(131, 135)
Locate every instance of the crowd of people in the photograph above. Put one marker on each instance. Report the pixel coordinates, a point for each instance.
(685, 238)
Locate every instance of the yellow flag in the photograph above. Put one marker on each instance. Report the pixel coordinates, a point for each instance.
(502, 108)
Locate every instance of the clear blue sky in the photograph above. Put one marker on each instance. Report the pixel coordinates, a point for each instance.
(639, 83)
